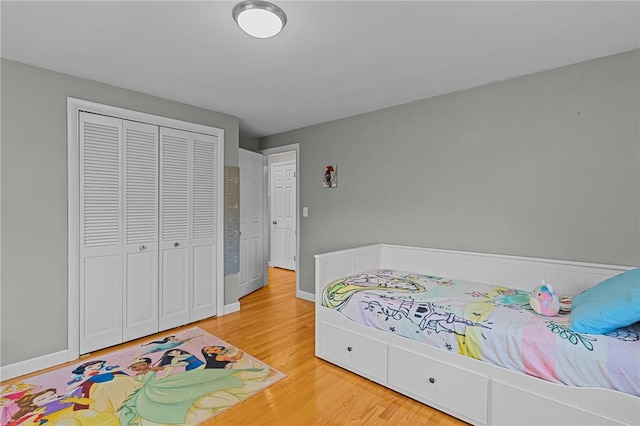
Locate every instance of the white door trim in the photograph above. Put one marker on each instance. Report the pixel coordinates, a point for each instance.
(279, 149)
(74, 106)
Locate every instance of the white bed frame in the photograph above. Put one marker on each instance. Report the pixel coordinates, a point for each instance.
(468, 389)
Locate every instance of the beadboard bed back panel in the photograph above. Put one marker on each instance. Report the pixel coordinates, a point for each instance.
(523, 273)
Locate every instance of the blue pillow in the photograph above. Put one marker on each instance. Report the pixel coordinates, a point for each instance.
(611, 304)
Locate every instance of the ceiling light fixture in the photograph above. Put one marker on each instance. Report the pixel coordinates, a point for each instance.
(259, 19)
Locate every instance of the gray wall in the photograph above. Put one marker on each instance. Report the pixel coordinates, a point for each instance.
(34, 198)
(249, 143)
(545, 165)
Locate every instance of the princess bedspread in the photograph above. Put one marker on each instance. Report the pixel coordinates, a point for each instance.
(491, 324)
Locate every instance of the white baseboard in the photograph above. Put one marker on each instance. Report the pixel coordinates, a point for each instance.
(31, 365)
(232, 307)
(306, 295)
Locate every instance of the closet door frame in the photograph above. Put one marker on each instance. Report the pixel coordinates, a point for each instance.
(74, 106)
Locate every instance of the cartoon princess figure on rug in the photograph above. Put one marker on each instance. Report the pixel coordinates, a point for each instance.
(192, 396)
(228, 357)
(220, 357)
(107, 386)
(9, 394)
(178, 357)
(142, 366)
(47, 406)
(178, 398)
(167, 343)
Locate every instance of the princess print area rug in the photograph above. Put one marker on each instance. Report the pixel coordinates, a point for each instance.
(180, 379)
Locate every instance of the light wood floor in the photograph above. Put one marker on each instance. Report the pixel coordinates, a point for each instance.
(278, 328)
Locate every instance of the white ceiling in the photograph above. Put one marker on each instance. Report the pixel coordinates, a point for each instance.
(332, 60)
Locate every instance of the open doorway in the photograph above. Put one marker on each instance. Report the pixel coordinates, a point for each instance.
(282, 208)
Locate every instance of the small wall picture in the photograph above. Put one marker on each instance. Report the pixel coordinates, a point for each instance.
(330, 178)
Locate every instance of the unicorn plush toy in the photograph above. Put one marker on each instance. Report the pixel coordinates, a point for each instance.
(544, 300)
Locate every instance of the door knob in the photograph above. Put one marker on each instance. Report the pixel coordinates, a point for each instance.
(143, 248)
(275, 223)
(176, 244)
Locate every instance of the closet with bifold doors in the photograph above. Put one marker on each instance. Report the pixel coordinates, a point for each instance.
(148, 215)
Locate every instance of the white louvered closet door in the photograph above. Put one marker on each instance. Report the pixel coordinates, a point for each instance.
(140, 159)
(175, 224)
(187, 227)
(100, 231)
(203, 220)
(148, 245)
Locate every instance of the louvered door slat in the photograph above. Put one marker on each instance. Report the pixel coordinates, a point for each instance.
(175, 152)
(175, 187)
(100, 231)
(204, 185)
(141, 189)
(203, 219)
(101, 184)
(141, 229)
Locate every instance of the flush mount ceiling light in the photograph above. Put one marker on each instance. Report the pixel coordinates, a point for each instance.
(259, 19)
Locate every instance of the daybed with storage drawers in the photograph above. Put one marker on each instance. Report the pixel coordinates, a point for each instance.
(395, 345)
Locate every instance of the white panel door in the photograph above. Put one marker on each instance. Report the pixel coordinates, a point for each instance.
(175, 223)
(283, 215)
(140, 159)
(203, 229)
(253, 261)
(100, 231)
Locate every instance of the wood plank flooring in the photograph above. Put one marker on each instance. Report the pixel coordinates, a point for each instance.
(278, 328)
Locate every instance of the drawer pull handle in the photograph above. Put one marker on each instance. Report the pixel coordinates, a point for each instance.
(349, 348)
(432, 380)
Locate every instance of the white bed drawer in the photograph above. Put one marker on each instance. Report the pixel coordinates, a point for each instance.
(507, 405)
(451, 388)
(353, 351)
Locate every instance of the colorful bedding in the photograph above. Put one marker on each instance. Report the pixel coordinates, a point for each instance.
(489, 323)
